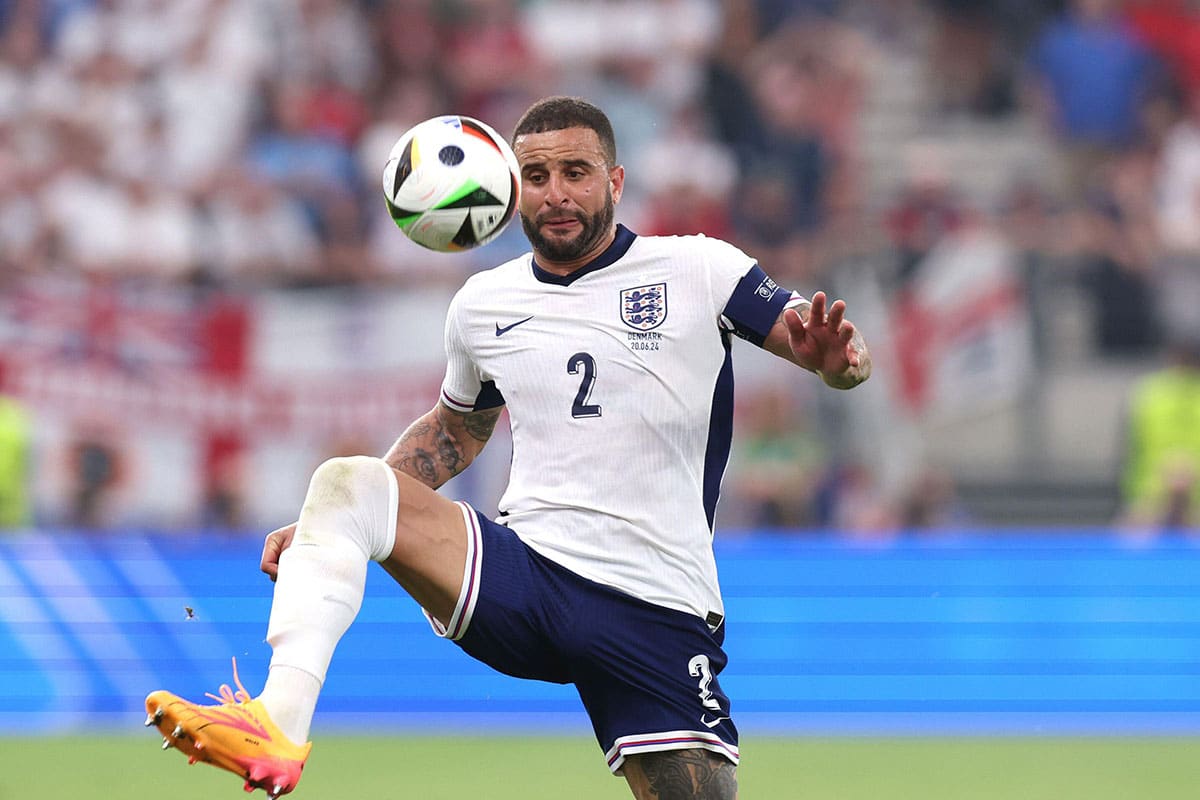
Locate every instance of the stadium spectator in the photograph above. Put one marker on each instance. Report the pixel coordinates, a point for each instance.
(1027, 218)
(496, 68)
(975, 53)
(779, 464)
(1091, 75)
(932, 503)
(784, 79)
(16, 464)
(408, 38)
(927, 208)
(1177, 188)
(95, 469)
(255, 234)
(783, 87)
(76, 178)
(345, 256)
(725, 92)
(22, 51)
(1161, 474)
(1171, 28)
(322, 41)
(25, 236)
(223, 503)
(665, 41)
(206, 95)
(1118, 277)
(300, 159)
(855, 502)
(688, 179)
(158, 227)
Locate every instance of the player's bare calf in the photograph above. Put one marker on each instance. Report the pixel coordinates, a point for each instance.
(696, 774)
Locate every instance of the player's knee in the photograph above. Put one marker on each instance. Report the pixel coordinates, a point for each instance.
(338, 482)
(351, 498)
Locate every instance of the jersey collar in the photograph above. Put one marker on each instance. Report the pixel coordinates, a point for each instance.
(614, 251)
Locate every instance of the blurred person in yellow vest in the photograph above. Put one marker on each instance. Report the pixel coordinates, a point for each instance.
(15, 453)
(1161, 481)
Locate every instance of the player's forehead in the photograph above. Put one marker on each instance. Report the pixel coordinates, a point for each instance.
(554, 148)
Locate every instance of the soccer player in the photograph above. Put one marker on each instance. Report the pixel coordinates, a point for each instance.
(611, 352)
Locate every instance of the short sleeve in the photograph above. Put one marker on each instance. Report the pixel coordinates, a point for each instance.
(464, 388)
(747, 300)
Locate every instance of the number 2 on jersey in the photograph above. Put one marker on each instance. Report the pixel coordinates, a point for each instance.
(580, 408)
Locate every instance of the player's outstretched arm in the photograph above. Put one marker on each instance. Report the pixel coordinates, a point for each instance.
(817, 336)
(442, 443)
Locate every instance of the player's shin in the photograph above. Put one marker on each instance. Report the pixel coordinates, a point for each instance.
(348, 519)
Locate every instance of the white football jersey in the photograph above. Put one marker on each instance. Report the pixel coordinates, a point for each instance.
(619, 389)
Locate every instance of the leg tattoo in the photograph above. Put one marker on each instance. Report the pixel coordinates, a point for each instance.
(683, 775)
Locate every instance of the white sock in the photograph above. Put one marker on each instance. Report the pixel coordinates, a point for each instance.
(290, 697)
(348, 519)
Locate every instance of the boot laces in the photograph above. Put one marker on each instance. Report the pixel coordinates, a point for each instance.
(227, 695)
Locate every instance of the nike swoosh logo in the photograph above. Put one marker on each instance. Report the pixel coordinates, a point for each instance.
(501, 331)
(713, 723)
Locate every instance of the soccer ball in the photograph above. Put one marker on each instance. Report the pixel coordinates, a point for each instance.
(451, 183)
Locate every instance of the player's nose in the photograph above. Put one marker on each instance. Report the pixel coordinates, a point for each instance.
(556, 190)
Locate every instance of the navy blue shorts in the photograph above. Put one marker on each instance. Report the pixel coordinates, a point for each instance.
(646, 674)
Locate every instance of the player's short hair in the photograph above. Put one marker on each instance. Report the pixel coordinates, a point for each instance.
(560, 113)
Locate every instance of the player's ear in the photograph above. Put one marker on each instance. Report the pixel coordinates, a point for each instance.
(616, 181)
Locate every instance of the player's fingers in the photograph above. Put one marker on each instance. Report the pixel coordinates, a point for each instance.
(794, 322)
(816, 314)
(837, 312)
(845, 337)
(269, 563)
(846, 332)
(276, 542)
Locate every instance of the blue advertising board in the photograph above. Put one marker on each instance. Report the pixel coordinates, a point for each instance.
(982, 632)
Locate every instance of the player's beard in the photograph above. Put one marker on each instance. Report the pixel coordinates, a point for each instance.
(594, 228)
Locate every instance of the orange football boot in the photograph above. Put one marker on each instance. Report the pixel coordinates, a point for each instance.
(237, 735)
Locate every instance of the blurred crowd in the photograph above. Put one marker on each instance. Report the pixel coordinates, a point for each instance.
(236, 145)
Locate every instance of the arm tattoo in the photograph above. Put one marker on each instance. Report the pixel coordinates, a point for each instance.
(448, 452)
(480, 424)
(421, 466)
(436, 447)
(427, 452)
(860, 344)
(689, 775)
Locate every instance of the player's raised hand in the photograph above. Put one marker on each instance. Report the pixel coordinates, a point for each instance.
(277, 541)
(824, 341)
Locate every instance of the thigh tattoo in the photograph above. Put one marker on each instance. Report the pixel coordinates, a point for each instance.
(689, 775)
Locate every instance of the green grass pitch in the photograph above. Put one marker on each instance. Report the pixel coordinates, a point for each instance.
(106, 767)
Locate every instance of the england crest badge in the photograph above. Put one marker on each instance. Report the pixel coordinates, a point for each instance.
(644, 307)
